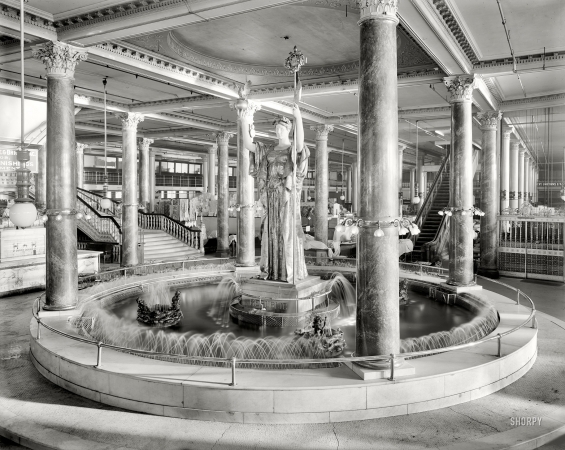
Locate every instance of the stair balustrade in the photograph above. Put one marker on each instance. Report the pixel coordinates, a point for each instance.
(193, 237)
(94, 200)
(99, 227)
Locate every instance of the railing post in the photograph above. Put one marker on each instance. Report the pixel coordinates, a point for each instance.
(99, 356)
(391, 378)
(233, 383)
(38, 329)
(499, 354)
(534, 321)
(420, 269)
(518, 300)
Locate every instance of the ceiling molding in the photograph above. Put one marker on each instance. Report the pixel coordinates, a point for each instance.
(35, 27)
(524, 64)
(544, 101)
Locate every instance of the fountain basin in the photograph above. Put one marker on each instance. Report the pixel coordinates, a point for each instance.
(290, 396)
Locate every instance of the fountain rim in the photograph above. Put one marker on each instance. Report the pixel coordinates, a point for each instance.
(371, 358)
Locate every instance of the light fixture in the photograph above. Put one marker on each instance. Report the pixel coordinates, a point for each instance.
(354, 229)
(23, 212)
(379, 233)
(79, 215)
(340, 228)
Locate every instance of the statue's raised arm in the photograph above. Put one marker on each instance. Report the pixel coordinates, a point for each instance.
(299, 132)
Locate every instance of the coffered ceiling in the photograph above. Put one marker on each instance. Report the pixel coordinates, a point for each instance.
(180, 62)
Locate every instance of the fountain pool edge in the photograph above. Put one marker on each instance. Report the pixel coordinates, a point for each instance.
(290, 396)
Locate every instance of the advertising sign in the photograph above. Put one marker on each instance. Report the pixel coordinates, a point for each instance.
(9, 160)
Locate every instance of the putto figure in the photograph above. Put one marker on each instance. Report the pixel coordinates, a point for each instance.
(282, 250)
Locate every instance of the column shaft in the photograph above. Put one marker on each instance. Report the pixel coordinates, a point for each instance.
(61, 253)
(505, 170)
(526, 178)
(80, 164)
(222, 249)
(151, 181)
(401, 148)
(205, 174)
(130, 232)
(514, 156)
(322, 183)
(355, 188)
(378, 329)
(489, 195)
(245, 188)
(521, 173)
(412, 184)
(212, 170)
(144, 173)
(461, 182)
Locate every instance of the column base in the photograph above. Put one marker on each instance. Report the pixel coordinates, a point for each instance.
(489, 273)
(222, 253)
(58, 308)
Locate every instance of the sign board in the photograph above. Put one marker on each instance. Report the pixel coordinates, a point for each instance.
(9, 160)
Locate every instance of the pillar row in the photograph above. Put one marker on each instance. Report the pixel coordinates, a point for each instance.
(152, 185)
(61, 254)
(212, 151)
(514, 157)
(505, 169)
(521, 173)
(144, 173)
(222, 139)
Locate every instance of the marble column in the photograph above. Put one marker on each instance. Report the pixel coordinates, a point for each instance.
(130, 206)
(205, 174)
(144, 174)
(223, 249)
(349, 184)
(514, 156)
(505, 169)
(322, 182)
(526, 177)
(152, 181)
(212, 150)
(245, 186)
(489, 194)
(355, 187)
(61, 253)
(377, 323)
(41, 179)
(521, 172)
(461, 181)
(401, 148)
(535, 184)
(80, 164)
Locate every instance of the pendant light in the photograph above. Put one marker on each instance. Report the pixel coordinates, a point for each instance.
(105, 203)
(23, 212)
(416, 198)
(342, 196)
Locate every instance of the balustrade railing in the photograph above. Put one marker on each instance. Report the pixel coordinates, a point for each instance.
(105, 226)
(191, 236)
(93, 200)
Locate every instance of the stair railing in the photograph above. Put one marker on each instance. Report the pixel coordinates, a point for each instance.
(94, 201)
(428, 201)
(104, 225)
(191, 236)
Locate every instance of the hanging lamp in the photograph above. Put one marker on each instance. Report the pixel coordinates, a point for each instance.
(23, 212)
(105, 203)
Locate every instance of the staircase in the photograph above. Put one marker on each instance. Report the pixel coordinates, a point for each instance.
(161, 246)
(433, 220)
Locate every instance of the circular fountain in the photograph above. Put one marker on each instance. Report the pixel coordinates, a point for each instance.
(283, 350)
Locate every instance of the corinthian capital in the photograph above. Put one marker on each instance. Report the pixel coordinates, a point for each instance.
(59, 59)
(322, 131)
(489, 119)
(130, 120)
(213, 149)
(378, 9)
(507, 131)
(223, 137)
(80, 147)
(245, 108)
(460, 88)
(144, 143)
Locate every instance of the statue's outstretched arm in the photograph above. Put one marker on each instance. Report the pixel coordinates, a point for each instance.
(248, 137)
(299, 132)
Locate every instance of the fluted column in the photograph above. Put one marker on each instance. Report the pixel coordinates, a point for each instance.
(152, 189)
(505, 169)
(489, 194)
(41, 179)
(461, 181)
(514, 157)
(377, 330)
(245, 186)
(322, 182)
(144, 173)
(80, 164)
(521, 173)
(222, 249)
(212, 150)
(130, 232)
(401, 148)
(527, 173)
(355, 188)
(61, 254)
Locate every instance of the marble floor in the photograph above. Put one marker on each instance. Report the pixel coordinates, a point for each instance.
(40, 410)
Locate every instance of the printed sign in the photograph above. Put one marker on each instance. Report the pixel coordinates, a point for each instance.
(9, 160)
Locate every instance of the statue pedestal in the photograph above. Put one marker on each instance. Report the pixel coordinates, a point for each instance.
(276, 296)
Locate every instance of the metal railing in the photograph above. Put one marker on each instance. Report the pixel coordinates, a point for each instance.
(232, 362)
(103, 225)
(97, 177)
(182, 180)
(93, 200)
